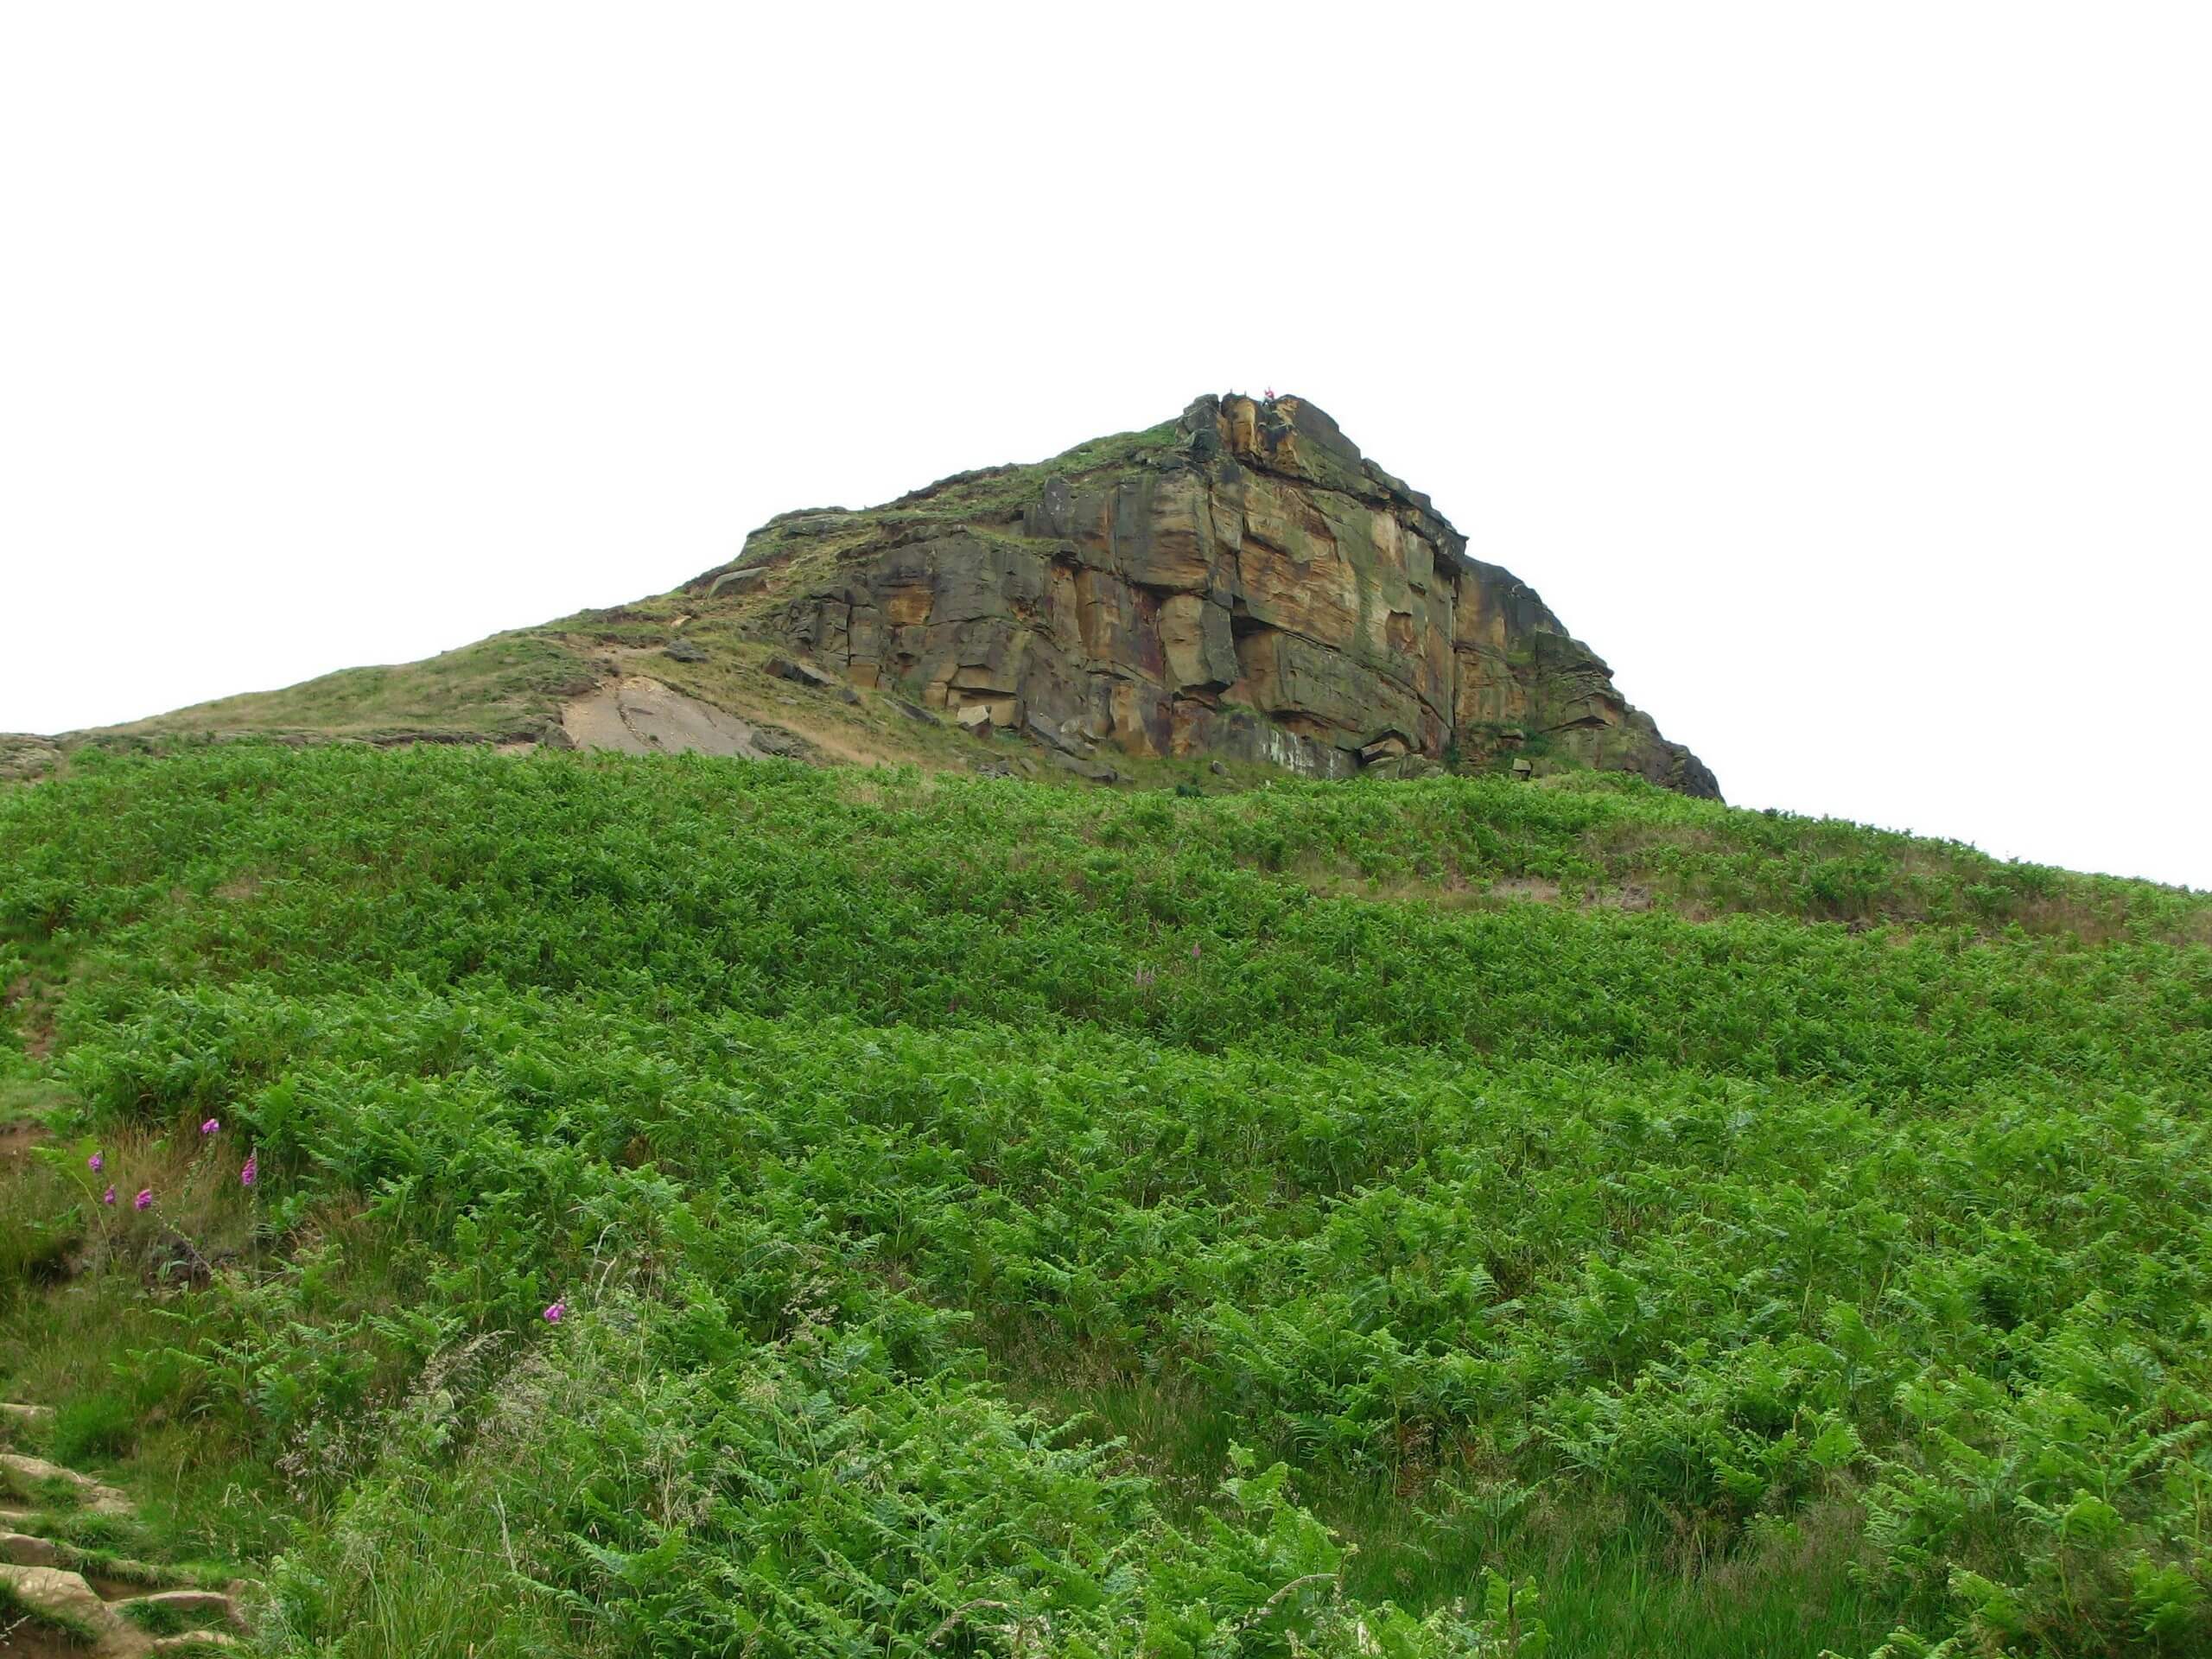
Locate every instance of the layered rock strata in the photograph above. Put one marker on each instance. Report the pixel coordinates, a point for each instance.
(1246, 584)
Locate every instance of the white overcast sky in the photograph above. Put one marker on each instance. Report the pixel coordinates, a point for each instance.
(1842, 373)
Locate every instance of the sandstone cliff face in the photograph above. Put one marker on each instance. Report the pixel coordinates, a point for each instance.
(1243, 583)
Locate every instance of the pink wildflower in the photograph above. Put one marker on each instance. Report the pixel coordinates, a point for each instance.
(96, 1163)
(144, 1200)
(211, 1125)
(249, 1171)
(556, 1312)
(1194, 952)
(108, 1197)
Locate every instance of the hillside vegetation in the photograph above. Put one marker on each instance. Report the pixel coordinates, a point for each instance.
(706, 1207)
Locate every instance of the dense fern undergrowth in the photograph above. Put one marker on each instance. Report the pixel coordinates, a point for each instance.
(1453, 1217)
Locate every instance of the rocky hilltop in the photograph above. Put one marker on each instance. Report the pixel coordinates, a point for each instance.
(1238, 588)
(1243, 583)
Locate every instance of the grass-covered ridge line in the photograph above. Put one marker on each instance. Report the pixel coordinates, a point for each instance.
(1759, 1233)
(512, 686)
(508, 686)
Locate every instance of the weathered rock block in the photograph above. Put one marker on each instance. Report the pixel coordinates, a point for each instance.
(1253, 587)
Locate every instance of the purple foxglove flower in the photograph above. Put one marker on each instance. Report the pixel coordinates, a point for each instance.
(211, 1125)
(144, 1200)
(249, 1171)
(108, 1197)
(96, 1163)
(556, 1312)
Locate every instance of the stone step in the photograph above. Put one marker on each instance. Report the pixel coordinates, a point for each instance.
(22, 1549)
(67, 1602)
(198, 1604)
(94, 1495)
(99, 1629)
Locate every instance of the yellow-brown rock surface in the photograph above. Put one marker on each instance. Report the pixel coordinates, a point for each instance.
(1242, 582)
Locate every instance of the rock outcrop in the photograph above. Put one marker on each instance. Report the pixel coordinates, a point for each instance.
(1239, 584)
(1242, 582)
(22, 756)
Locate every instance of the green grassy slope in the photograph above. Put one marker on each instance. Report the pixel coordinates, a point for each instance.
(513, 686)
(508, 686)
(1415, 1218)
